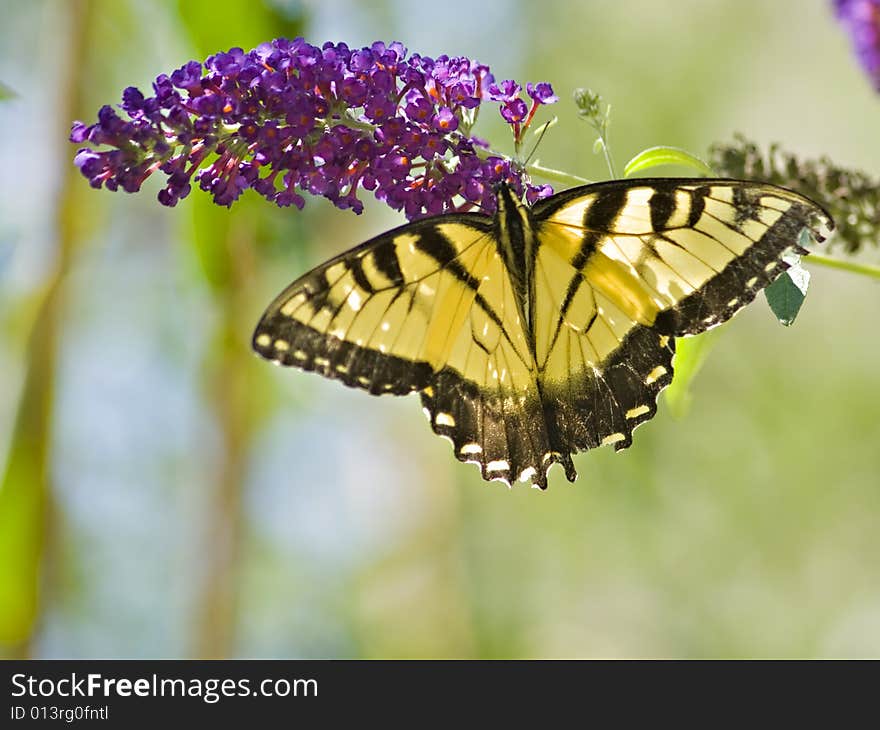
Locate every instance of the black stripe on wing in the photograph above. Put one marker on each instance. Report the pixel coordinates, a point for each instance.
(747, 274)
(357, 367)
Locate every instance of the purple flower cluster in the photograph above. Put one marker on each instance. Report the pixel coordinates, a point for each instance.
(862, 21)
(289, 117)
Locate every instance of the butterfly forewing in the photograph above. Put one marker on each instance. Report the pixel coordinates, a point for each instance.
(697, 250)
(378, 317)
(428, 307)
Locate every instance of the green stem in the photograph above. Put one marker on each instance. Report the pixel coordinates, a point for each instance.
(558, 175)
(347, 118)
(607, 152)
(536, 168)
(853, 266)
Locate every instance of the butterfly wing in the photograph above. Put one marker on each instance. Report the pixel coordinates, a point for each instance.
(427, 307)
(622, 268)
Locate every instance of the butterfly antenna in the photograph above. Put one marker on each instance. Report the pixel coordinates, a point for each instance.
(543, 131)
(477, 206)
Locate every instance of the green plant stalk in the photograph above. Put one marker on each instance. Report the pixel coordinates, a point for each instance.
(549, 173)
(851, 266)
(607, 152)
(25, 485)
(226, 391)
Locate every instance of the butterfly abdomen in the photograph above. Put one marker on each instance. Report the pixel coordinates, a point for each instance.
(515, 233)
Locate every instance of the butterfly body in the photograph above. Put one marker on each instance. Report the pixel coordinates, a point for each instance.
(544, 331)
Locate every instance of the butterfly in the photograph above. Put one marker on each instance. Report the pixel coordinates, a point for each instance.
(540, 331)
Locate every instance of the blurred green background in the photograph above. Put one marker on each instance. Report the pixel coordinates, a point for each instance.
(167, 494)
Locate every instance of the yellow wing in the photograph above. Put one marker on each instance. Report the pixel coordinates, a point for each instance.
(427, 307)
(622, 268)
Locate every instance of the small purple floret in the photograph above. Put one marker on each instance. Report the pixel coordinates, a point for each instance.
(514, 111)
(506, 91)
(188, 77)
(542, 93)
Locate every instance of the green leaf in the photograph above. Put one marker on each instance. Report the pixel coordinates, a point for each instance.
(690, 354)
(786, 295)
(654, 156)
(538, 131)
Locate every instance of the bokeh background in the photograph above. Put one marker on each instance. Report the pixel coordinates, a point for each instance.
(167, 494)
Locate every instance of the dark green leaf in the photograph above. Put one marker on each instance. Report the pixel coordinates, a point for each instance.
(786, 295)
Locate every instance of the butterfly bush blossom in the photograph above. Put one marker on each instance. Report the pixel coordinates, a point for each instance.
(861, 18)
(289, 117)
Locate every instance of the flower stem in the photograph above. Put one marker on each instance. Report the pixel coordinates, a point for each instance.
(558, 175)
(227, 384)
(607, 153)
(853, 266)
(348, 119)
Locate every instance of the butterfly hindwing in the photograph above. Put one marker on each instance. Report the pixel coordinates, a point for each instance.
(485, 397)
(600, 364)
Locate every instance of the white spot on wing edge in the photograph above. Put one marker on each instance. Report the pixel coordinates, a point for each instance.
(471, 449)
(657, 372)
(263, 340)
(527, 472)
(637, 411)
(499, 465)
(613, 439)
(444, 419)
